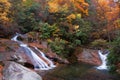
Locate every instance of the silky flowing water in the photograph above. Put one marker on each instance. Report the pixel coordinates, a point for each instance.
(38, 62)
(78, 71)
(103, 58)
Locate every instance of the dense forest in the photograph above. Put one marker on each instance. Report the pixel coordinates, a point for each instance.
(66, 25)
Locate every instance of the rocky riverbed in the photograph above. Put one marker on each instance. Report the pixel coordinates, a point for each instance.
(16, 64)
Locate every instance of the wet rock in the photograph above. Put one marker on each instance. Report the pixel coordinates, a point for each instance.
(89, 56)
(18, 58)
(8, 45)
(15, 71)
(11, 51)
(7, 49)
(47, 51)
(1, 68)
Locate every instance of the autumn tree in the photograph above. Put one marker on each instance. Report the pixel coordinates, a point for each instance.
(4, 11)
(68, 6)
(107, 13)
(6, 25)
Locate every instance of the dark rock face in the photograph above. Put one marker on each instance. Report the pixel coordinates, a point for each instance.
(89, 56)
(15, 71)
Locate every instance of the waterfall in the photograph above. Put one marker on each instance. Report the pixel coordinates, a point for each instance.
(43, 55)
(37, 61)
(103, 57)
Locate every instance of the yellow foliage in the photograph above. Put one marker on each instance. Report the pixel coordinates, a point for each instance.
(57, 6)
(4, 10)
(78, 15)
(71, 16)
(49, 40)
(76, 27)
(65, 5)
(81, 6)
(117, 23)
(107, 11)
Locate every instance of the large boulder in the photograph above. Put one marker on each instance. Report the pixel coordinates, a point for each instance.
(11, 51)
(15, 71)
(89, 56)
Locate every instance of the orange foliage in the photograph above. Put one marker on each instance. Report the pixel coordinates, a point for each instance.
(66, 5)
(81, 6)
(107, 10)
(70, 17)
(4, 10)
(57, 6)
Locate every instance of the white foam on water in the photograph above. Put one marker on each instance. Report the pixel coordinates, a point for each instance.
(103, 57)
(48, 60)
(38, 62)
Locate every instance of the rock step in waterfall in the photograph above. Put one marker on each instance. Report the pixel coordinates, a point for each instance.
(42, 62)
(103, 58)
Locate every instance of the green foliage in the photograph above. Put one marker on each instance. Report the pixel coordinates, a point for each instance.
(81, 36)
(61, 47)
(48, 31)
(114, 56)
(99, 43)
(26, 17)
(27, 3)
(83, 31)
(58, 45)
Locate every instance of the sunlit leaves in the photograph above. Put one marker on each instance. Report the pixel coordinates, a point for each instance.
(81, 5)
(68, 6)
(71, 17)
(107, 10)
(117, 23)
(58, 6)
(4, 10)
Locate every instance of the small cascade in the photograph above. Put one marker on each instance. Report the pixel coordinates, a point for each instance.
(103, 57)
(15, 38)
(48, 60)
(38, 62)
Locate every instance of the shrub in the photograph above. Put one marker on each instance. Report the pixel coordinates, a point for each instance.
(48, 31)
(114, 56)
(58, 46)
(26, 17)
(61, 47)
(99, 43)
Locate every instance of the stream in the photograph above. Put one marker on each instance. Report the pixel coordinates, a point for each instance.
(40, 62)
(77, 71)
(82, 71)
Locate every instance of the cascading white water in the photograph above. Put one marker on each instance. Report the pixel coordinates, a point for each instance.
(103, 57)
(48, 60)
(36, 60)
